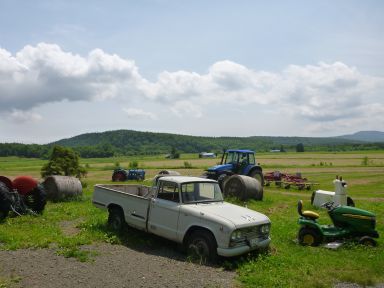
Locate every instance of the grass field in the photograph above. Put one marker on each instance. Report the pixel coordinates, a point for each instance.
(68, 225)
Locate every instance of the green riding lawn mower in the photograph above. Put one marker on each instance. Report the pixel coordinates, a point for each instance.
(349, 223)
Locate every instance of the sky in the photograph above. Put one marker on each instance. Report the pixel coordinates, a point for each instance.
(203, 67)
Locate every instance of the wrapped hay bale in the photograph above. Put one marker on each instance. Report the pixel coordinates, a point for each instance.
(59, 188)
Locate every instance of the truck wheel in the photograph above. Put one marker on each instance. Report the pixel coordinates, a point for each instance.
(367, 241)
(202, 246)
(5, 202)
(258, 176)
(118, 177)
(116, 219)
(309, 237)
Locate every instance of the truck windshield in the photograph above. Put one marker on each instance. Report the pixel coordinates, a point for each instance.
(201, 192)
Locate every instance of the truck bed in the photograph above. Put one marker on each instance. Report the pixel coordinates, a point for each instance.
(135, 190)
(133, 199)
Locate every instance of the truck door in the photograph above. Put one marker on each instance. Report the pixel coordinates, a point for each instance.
(164, 211)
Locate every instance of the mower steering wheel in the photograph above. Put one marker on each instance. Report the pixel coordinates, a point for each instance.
(328, 205)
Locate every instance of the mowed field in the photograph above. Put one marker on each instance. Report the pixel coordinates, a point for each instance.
(286, 265)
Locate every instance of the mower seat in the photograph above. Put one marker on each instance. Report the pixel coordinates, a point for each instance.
(307, 213)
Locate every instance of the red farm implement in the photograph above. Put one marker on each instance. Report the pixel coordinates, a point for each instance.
(23, 195)
(287, 180)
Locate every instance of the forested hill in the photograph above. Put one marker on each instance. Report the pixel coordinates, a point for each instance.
(128, 142)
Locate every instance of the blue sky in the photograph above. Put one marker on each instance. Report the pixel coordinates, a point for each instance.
(209, 68)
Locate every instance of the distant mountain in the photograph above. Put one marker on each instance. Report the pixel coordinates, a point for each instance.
(366, 136)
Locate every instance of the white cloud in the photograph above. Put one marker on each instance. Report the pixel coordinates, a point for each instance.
(138, 113)
(186, 109)
(21, 117)
(322, 93)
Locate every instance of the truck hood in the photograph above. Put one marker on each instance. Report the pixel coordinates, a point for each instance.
(226, 212)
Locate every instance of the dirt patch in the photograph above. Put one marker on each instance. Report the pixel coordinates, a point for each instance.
(69, 228)
(113, 266)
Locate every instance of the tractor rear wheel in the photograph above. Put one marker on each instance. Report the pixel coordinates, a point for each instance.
(5, 201)
(36, 199)
(222, 179)
(258, 175)
(119, 176)
(309, 236)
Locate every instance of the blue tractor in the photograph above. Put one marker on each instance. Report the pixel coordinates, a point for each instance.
(236, 162)
(121, 174)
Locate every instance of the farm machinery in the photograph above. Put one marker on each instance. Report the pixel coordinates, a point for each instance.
(238, 174)
(121, 174)
(240, 162)
(288, 180)
(349, 223)
(23, 195)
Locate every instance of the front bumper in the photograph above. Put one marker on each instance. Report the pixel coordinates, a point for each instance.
(239, 250)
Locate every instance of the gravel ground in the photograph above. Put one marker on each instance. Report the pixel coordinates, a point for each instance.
(113, 266)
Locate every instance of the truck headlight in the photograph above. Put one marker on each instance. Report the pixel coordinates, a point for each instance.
(236, 235)
(264, 229)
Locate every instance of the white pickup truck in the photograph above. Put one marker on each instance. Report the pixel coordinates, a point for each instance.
(187, 210)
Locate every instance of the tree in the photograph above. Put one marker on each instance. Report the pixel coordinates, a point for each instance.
(300, 147)
(174, 154)
(63, 161)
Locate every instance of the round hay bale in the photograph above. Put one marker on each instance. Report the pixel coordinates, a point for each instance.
(243, 187)
(59, 188)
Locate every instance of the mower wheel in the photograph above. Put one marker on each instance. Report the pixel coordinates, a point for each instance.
(367, 241)
(118, 177)
(309, 236)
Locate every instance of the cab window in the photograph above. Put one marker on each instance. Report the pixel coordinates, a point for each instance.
(168, 191)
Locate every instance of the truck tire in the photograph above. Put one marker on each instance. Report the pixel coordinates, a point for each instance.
(5, 201)
(116, 219)
(243, 188)
(309, 236)
(202, 246)
(258, 175)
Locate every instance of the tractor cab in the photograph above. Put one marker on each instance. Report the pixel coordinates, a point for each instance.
(235, 161)
(238, 161)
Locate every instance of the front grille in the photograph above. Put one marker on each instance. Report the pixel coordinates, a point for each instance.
(248, 234)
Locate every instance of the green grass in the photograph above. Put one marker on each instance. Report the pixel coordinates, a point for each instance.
(286, 265)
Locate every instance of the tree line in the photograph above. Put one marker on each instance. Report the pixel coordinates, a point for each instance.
(127, 143)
